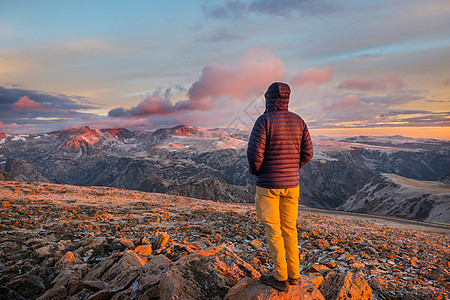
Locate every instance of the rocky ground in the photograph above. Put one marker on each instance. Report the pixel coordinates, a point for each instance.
(69, 242)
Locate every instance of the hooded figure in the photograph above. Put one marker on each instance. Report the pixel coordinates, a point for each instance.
(280, 143)
(279, 146)
(277, 97)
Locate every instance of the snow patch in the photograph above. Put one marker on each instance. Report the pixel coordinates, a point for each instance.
(413, 185)
(20, 137)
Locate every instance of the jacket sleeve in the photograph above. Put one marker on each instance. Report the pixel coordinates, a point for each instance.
(307, 147)
(256, 146)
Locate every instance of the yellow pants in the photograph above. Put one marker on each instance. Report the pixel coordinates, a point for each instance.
(278, 211)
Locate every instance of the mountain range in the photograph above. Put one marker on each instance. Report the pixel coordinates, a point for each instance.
(345, 173)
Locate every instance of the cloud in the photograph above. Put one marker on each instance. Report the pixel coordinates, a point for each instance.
(230, 10)
(312, 77)
(156, 105)
(343, 104)
(26, 103)
(240, 9)
(220, 35)
(159, 102)
(339, 110)
(37, 111)
(395, 98)
(239, 82)
(216, 82)
(413, 118)
(287, 7)
(447, 82)
(383, 83)
(9, 96)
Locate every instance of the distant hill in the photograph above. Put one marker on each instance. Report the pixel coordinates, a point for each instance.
(393, 195)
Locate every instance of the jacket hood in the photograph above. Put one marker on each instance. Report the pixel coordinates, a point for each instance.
(277, 96)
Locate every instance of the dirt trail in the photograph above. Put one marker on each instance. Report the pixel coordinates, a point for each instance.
(384, 220)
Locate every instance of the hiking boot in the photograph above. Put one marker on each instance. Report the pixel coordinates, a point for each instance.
(276, 284)
(293, 281)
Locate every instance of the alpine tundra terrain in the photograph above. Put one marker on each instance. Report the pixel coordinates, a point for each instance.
(394, 175)
(70, 242)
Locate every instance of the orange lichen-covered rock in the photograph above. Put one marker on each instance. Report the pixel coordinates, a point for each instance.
(345, 287)
(253, 289)
(143, 250)
(127, 243)
(207, 274)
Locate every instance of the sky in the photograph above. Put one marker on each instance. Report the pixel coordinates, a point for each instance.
(354, 67)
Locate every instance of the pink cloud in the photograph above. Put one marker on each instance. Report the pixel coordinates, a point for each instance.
(386, 82)
(447, 82)
(26, 103)
(346, 103)
(153, 104)
(14, 128)
(312, 77)
(239, 82)
(156, 105)
(220, 85)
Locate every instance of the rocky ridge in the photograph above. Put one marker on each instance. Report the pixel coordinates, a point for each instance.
(69, 242)
(393, 195)
(212, 163)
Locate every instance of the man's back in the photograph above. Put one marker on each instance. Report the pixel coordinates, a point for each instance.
(279, 145)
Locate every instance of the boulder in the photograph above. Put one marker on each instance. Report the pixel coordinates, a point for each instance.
(128, 260)
(101, 268)
(8, 294)
(127, 243)
(43, 252)
(27, 285)
(146, 241)
(102, 295)
(344, 287)
(93, 285)
(67, 260)
(356, 264)
(253, 289)
(206, 274)
(148, 283)
(319, 268)
(317, 280)
(161, 240)
(70, 277)
(143, 250)
(56, 293)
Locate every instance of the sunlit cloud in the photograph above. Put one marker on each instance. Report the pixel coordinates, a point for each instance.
(395, 98)
(340, 110)
(383, 83)
(37, 110)
(241, 81)
(312, 77)
(343, 104)
(26, 103)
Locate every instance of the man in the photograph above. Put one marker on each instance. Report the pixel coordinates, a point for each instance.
(279, 146)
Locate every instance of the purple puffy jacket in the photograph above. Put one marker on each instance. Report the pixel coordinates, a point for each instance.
(280, 143)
